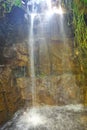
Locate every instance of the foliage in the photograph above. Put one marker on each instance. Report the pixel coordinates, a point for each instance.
(6, 5)
(79, 25)
(85, 1)
(18, 3)
(80, 28)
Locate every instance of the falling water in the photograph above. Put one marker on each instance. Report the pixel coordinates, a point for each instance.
(31, 53)
(49, 4)
(46, 118)
(63, 36)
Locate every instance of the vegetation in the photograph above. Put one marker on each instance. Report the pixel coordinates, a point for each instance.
(80, 28)
(6, 5)
(84, 1)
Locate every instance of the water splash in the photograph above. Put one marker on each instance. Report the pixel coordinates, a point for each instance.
(49, 118)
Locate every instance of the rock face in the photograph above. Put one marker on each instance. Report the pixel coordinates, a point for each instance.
(57, 80)
(52, 90)
(13, 28)
(10, 97)
(61, 90)
(57, 83)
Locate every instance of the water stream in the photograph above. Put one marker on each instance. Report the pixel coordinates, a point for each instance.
(31, 56)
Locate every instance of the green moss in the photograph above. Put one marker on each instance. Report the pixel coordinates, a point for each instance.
(85, 1)
(80, 29)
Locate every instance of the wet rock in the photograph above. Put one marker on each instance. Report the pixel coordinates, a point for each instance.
(13, 27)
(16, 15)
(44, 97)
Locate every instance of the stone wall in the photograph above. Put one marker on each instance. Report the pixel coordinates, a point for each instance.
(10, 98)
(58, 77)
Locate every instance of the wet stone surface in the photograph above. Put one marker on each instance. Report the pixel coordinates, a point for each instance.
(70, 117)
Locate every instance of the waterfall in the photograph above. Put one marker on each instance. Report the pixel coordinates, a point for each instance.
(31, 59)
